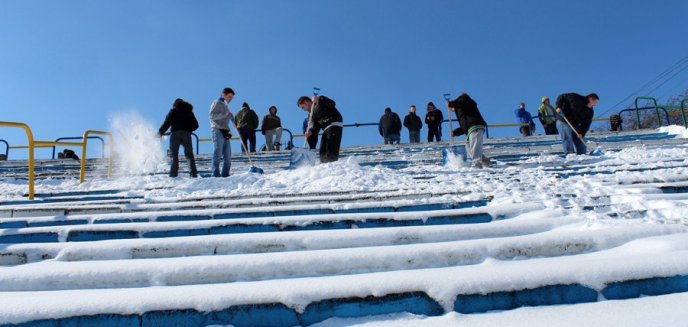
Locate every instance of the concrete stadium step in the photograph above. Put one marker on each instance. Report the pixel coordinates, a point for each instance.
(252, 207)
(141, 205)
(55, 275)
(493, 285)
(16, 254)
(227, 222)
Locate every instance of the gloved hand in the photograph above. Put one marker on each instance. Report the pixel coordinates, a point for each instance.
(226, 134)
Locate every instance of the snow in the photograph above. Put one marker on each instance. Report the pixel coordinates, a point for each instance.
(664, 310)
(679, 131)
(590, 220)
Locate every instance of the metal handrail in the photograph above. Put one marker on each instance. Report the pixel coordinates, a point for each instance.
(79, 138)
(29, 138)
(637, 110)
(659, 119)
(7, 148)
(82, 175)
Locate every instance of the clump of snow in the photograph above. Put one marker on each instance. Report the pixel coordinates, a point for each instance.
(136, 143)
(456, 161)
(679, 131)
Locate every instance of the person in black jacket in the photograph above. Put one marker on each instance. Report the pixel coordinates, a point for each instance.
(414, 124)
(183, 122)
(471, 124)
(325, 116)
(272, 129)
(390, 127)
(578, 110)
(434, 120)
(246, 124)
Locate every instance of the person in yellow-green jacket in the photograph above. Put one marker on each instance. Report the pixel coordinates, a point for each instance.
(547, 116)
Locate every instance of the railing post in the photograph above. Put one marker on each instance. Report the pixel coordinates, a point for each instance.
(29, 137)
(82, 175)
(654, 102)
(683, 112)
(7, 149)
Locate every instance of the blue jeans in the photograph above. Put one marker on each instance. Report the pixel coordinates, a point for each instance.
(569, 139)
(222, 151)
(414, 136)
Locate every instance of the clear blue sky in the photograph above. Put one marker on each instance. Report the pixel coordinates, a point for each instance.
(65, 66)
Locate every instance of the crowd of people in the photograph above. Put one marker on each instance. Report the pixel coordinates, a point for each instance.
(570, 118)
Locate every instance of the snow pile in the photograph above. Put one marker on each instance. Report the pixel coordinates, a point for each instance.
(346, 175)
(679, 131)
(137, 145)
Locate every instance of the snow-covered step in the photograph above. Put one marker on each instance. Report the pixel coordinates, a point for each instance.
(221, 225)
(56, 275)
(14, 254)
(138, 205)
(630, 271)
(201, 212)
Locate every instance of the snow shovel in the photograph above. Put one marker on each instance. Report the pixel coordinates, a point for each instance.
(301, 157)
(253, 169)
(447, 96)
(596, 152)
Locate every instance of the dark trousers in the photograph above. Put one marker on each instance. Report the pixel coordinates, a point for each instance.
(182, 138)
(312, 141)
(551, 129)
(329, 144)
(249, 135)
(434, 132)
(525, 130)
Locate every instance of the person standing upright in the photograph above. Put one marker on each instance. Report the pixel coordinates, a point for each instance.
(183, 122)
(413, 123)
(523, 117)
(272, 129)
(390, 127)
(220, 117)
(434, 120)
(548, 117)
(247, 123)
(576, 110)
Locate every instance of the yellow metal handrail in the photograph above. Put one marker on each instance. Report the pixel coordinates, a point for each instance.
(29, 137)
(82, 175)
(46, 144)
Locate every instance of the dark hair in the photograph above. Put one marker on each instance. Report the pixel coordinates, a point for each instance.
(302, 100)
(593, 96)
(228, 90)
(413, 106)
(388, 109)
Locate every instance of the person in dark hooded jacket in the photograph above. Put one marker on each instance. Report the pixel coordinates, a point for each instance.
(183, 122)
(434, 120)
(272, 129)
(390, 127)
(577, 110)
(414, 124)
(471, 124)
(246, 124)
(325, 117)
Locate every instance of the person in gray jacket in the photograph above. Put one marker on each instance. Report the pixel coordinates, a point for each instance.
(220, 116)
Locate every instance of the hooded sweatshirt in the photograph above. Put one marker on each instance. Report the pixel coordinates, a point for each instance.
(271, 122)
